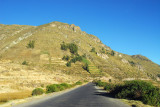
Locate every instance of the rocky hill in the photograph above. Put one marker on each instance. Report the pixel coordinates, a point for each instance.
(46, 55)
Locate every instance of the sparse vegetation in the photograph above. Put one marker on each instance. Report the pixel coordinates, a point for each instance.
(100, 83)
(59, 87)
(65, 85)
(24, 63)
(78, 83)
(37, 91)
(46, 43)
(84, 60)
(64, 46)
(66, 57)
(93, 50)
(74, 51)
(112, 53)
(76, 58)
(68, 64)
(71, 46)
(86, 67)
(31, 44)
(103, 50)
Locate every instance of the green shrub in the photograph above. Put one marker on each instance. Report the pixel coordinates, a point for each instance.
(100, 83)
(68, 64)
(57, 87)
(66, 58)
(152, 97)
(64, 46)
(73, 60)
(52, 88)
(60, 87)
(31, 44)
(24, 63)
(85, 80)
(65, 85)
(138, 90)
(109, 87)
(73, 48)
(86, 67)
(78, 83)
(37, 91)
(76, 58)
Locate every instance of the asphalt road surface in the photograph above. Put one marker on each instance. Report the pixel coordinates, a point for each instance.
(85, 96)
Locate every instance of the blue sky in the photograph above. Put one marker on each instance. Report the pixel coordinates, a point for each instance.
(127, 26)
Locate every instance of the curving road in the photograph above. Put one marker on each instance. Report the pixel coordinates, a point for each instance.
(85, 96)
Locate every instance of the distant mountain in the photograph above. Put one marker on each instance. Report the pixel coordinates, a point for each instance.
(102, 60)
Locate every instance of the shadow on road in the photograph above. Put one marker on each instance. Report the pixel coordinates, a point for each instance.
(105, 94)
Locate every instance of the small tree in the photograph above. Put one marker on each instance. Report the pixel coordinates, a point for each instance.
(64, 46)
(73, 48)
(86, 67)
(31, 44)
(73, 60)
(66, 58)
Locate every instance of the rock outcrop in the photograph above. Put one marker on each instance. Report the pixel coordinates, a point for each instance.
(104, 56)
(75, 28)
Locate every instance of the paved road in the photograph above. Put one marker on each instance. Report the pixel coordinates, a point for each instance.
(85, 96)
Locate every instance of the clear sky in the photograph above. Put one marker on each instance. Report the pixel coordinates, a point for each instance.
(127, 26)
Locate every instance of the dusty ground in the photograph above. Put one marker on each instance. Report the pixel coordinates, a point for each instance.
(15, 79)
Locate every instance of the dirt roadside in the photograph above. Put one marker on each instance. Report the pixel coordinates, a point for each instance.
(34, 99)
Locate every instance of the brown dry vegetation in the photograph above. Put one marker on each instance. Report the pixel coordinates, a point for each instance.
(5, 97)
(45, 64)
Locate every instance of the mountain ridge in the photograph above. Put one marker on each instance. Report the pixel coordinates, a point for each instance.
(48, 37)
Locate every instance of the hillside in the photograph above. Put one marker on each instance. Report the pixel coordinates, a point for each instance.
(45, 58)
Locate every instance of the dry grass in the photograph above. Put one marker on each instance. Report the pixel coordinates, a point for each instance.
(135, 103)
(5, 97)
(47, 55)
